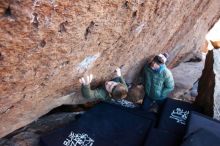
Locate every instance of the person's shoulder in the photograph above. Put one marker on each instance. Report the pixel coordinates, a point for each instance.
(101, 93)
(167, 72)
(116, 79)
(146, 67)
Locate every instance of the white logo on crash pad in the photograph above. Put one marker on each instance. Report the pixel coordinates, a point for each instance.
(124, 103)
(78, 140)
(179, 115)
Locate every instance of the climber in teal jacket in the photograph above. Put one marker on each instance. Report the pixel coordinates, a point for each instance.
(157, 80)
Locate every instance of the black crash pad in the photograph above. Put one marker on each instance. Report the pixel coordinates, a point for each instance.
(158, 137)
(104, 125)
(202, 137)
(174, 116)
(198, 121)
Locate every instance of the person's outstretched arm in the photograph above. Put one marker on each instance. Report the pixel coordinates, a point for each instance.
(88, 93)
(119, 76)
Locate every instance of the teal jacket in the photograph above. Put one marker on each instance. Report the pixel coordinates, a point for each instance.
(99, 93)
(157, 84)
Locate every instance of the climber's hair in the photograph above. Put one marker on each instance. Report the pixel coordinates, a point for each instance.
(119, 91)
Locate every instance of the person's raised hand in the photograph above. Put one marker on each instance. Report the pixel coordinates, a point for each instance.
(118, 72)
(87, 80)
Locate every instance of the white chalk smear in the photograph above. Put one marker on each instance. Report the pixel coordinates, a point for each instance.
(138, 29)
(87, 62)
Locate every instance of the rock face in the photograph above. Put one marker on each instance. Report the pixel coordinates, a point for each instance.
(206, 86)
(46, 45)
(209, 85)
(216, 69)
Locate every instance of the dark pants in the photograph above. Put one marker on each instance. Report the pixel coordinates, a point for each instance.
(149, 103)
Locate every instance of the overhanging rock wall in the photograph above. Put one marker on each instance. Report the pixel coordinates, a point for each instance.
(46, 45)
